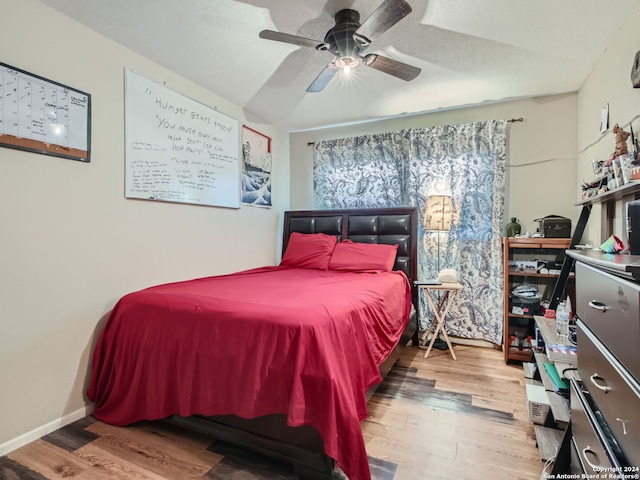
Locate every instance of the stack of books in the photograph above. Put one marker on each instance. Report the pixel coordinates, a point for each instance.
(562, 353)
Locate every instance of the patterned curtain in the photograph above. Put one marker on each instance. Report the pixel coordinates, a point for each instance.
(362, 172)
(403, 168)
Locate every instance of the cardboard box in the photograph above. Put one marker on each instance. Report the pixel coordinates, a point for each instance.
(538, 403)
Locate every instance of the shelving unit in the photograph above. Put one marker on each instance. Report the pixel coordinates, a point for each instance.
(550, 437)
(521, 326)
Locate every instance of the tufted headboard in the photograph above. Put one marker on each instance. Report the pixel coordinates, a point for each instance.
(378, 225)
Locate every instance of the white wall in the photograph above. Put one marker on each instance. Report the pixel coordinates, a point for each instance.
(71, 244)
(610, 83)
(541, 157)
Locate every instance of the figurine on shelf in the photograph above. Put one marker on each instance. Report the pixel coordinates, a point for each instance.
(621, 140)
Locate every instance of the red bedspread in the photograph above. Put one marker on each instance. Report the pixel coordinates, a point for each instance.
(301, 342)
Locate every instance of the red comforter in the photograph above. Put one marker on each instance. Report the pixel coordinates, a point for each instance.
(301, 342)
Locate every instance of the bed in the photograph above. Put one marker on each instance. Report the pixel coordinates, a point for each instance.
(258, 358)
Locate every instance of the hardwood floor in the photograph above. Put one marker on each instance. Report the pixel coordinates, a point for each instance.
(431, 419)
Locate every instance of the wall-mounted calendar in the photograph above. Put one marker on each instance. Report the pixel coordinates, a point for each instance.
(43, 116)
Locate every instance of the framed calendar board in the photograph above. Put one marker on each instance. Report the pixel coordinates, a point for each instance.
(43, 116)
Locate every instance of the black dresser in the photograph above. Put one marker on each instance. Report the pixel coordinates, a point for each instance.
(605, 403)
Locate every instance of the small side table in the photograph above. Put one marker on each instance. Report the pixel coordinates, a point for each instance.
(439, 312)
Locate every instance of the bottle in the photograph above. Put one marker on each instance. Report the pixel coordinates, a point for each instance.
(562, 320)
(513, 228)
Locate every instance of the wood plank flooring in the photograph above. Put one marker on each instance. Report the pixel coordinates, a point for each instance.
(431, 419)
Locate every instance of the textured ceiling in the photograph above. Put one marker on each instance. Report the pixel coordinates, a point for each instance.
(470, 51)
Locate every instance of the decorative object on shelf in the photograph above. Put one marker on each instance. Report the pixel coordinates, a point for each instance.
(596, 187)
(626, 167)
(634, 144)
(513, 228)
(612, 245)
(598, 167)
(437, 216)
(635, 71)
(621, 140)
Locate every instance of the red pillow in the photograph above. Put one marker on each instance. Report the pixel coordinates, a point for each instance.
(363, 257)
(308, 250)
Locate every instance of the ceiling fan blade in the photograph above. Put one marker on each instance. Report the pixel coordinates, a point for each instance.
(323, 79)
(382, 19)
(293, 39)
(393, 67)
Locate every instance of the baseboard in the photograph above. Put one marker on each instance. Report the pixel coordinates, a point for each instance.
(44, 430)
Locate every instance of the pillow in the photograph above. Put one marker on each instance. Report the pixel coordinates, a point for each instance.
(308, 250)
(363, 257)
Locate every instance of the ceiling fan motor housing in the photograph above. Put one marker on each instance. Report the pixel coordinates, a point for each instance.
(340, 38)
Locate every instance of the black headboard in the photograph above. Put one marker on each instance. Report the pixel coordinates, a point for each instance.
(377, 225)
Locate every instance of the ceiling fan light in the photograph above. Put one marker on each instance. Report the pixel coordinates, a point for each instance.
(347, 64)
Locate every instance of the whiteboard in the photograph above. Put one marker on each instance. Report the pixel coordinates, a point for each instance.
(177, 149)
(43, 116)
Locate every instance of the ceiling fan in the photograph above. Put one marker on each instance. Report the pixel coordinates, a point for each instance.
(348, 39)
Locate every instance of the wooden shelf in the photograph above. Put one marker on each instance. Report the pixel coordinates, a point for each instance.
(560, 409)
(541, 359)
(549, 440)
(547, 327)
(520, 354)
(538, 243)
(542, 275)
(615, 194)
(527, 249)
(559, 404)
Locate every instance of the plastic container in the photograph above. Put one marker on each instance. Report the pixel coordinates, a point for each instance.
(562, 320)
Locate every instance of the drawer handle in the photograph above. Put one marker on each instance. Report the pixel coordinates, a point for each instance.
(624, 425)
(604, 388)
(596, 305)
(596, 468)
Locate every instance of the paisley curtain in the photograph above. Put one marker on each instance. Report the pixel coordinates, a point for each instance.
(362, 172)
(403, 168)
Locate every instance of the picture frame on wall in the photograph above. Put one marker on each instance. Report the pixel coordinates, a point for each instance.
(604, 118)
(43, 116)
(256, 168)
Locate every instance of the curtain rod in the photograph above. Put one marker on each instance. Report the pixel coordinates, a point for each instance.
(512, 120)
